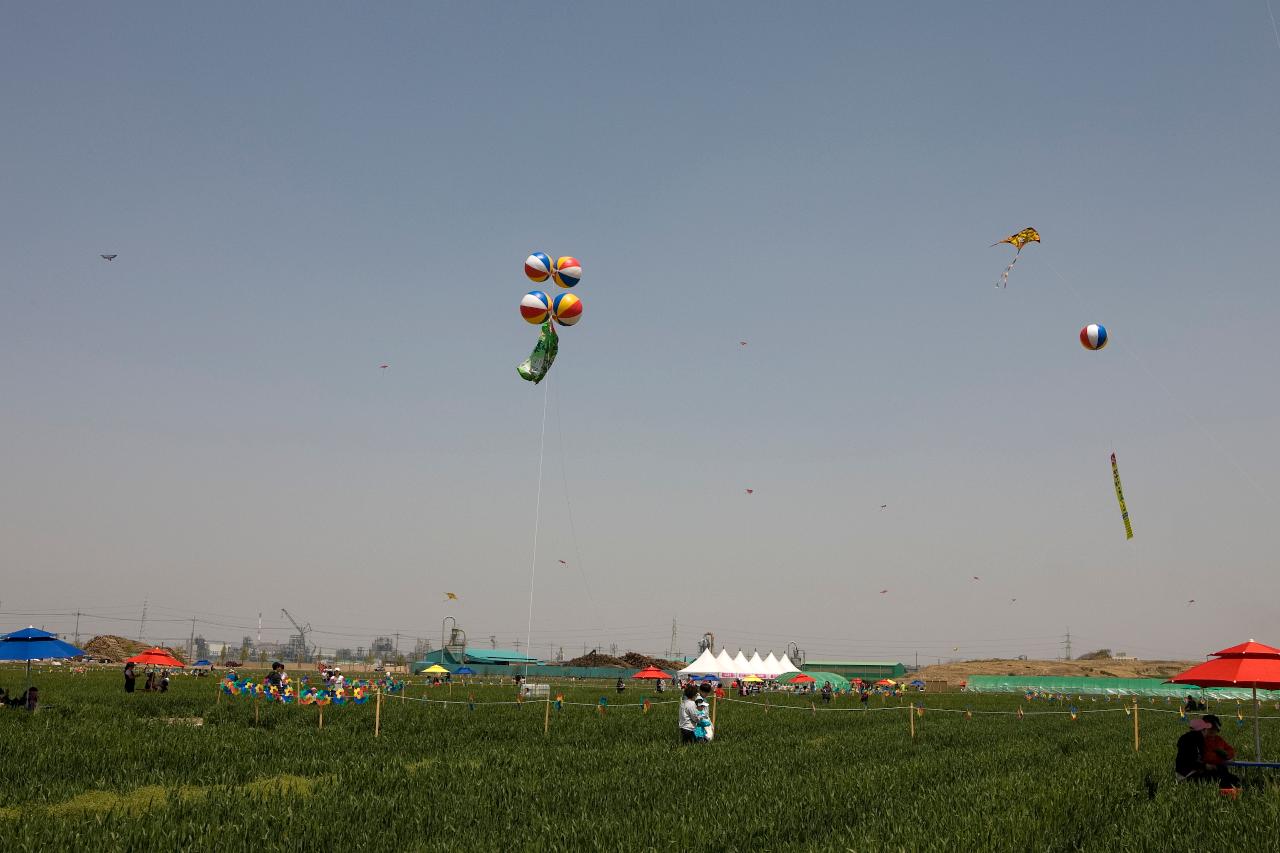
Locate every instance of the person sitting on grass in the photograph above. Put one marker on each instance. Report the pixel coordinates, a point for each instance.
(1217, 752)
(1190, 764)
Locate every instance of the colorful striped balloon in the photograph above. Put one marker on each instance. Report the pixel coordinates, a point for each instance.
(568, 309)
(1093, 336)
(538, 267)
(567, 272)
(535, 307)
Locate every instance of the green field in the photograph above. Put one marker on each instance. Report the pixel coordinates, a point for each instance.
(98, 769)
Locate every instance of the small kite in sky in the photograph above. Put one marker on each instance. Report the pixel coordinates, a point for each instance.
(1022, 238)
(1013, 601)
(884, 591)
(564, 562)
(975, 577)
(750, 491)
(450, 596)
(1191, 602)
(884, 506)
(383, 366)
(742, 343)
(108, 257)
(1124, 511)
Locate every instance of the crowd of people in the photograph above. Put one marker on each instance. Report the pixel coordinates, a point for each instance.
(155, 681)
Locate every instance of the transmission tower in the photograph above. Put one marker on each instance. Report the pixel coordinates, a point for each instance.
(671, 651)
(1066, 646)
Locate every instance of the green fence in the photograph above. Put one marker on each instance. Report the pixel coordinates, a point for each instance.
(1151, 687)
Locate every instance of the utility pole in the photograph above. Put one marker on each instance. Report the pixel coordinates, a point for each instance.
(1066, 646)
(259, 627)
(142, 626)
(397, 644)
(917, 660)
(77, 643)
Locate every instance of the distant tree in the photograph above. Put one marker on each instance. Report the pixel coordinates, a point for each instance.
(1100, 654)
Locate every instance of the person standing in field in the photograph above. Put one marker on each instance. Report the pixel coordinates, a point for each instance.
(276, 677)
(130, 678)
(688, 720)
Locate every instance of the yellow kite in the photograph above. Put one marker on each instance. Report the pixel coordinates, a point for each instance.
(1022, 238)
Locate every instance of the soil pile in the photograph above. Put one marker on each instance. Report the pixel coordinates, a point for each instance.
(118, 649)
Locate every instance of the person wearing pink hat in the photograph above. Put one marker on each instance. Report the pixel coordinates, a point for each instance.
(1190, 762)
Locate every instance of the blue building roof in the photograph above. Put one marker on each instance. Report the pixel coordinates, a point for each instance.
(498, 657)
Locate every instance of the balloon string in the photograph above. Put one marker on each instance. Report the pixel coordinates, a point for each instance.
(573, 530)
(537, 521)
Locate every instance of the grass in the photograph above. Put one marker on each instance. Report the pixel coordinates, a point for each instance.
(99, 768)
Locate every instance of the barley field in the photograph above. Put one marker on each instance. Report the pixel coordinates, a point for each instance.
(95, 768)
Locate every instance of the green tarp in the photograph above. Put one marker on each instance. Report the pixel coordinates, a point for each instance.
(1151, 687)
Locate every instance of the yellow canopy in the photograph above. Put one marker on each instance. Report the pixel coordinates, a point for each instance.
(435, 669)
(754, 678)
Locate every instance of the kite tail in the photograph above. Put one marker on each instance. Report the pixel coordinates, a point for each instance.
(1004, 276)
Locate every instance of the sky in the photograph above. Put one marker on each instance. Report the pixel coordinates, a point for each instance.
(299, 193)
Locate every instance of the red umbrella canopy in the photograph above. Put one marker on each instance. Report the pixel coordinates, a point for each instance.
(651, 672)
(155, 657)
(803, 679)
(1246, 665)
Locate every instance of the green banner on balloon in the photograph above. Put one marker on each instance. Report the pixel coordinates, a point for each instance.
(534, 368)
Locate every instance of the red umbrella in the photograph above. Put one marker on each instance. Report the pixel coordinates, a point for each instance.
(650, 672)
(803, 679)
(1250, 664)
(156, 657)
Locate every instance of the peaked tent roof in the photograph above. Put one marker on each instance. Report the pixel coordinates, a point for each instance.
(704, 665)
(740, 665)
(756, 664)
(724, 663)
(786, 665)
(771, 666)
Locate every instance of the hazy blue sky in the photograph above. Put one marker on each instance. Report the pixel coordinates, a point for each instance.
(301, 192)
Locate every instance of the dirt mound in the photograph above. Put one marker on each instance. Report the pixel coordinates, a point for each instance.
(639, 661)
(957, 672)
(117, 649)
(631, 660)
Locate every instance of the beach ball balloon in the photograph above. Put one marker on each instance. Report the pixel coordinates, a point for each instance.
(538, 267)
(1093, 336)
(535, 307)
(567, 272)
(568, 309)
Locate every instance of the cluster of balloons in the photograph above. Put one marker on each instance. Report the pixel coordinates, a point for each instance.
(536, 307)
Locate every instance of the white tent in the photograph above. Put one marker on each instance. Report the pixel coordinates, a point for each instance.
(755, 666)
(785, 665)
(771, 670)
(724, 663)
(704, 665)
(740, 665)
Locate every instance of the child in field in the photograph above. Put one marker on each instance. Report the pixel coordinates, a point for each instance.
(1217, 752)
(689, 714)
(1191, 763)
(703, 731)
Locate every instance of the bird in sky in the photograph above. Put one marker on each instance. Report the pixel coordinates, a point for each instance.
(108, 257)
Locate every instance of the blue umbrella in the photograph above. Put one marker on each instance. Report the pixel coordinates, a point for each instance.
(464, 670)
(33, 644)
